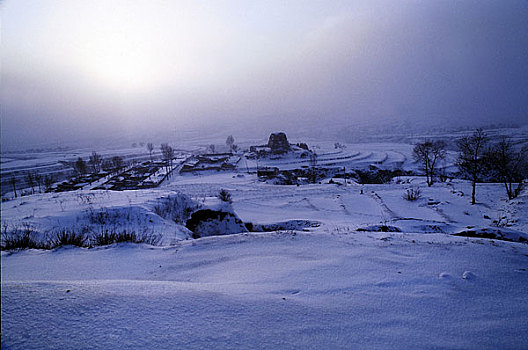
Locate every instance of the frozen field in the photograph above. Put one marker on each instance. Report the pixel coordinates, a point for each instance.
(323, 285)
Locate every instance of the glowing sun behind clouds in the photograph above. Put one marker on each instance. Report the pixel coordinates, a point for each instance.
(118, 61)
(144, 46)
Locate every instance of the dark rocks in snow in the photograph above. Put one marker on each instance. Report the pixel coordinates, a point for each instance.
(268, 172)
(468, 275)
(303, 146)
(379, 228)
(294, 176)
(297, 225)
(378, 176)
(278, 143)
(209, 222)
(502, 234)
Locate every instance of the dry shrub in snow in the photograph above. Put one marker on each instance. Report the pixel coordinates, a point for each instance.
(23, 238)
(19, 238)
(411, 194)
(225, 196)
(177, 207)
(70, 237)
(110, 237)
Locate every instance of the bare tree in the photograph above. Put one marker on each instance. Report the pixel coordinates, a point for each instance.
(30, 181)
(96, 162)
(14, 183)
(313, 159)
(167, 153)
(170, 155)
(107, 166)
(48, 182)
(117, 163)
(313, 170)
(230, 141)
(471, 158)
(428, 153)
(80, 166)
(150, 148)
(38, 181)
(509, 165)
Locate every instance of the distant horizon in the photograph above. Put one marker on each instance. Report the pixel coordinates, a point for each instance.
(202, 136)
(82, 70)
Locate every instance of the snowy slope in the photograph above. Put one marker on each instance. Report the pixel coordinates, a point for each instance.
(98, 210)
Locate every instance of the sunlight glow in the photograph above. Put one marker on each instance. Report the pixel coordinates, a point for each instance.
(115, 52)
(120, 65)
(124, 50)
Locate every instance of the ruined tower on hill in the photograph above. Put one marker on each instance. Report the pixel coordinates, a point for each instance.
(278, 143)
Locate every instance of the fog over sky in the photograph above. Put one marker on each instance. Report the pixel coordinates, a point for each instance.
(80, 68)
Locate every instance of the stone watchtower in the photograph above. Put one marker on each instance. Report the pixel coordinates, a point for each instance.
(278, 143)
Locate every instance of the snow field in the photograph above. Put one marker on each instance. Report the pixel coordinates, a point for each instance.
(282, 290)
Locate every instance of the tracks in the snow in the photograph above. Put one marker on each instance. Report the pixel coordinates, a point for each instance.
(384, 207)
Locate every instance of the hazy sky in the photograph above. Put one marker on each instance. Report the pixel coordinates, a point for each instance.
(82, 67)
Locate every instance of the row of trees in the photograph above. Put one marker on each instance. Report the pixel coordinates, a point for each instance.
(479, 159)
(34, 181)
(167, 152)
(501, 161)
(96, 163)
(230, 144)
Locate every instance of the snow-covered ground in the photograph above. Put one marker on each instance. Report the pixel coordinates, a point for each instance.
(275, 290)
(320, 285)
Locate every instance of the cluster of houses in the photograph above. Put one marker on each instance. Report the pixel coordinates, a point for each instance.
(143, 175)
(146, 174)
(78, 182)
(212, 161)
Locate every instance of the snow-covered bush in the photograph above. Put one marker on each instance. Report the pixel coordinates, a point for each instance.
(177, 207)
